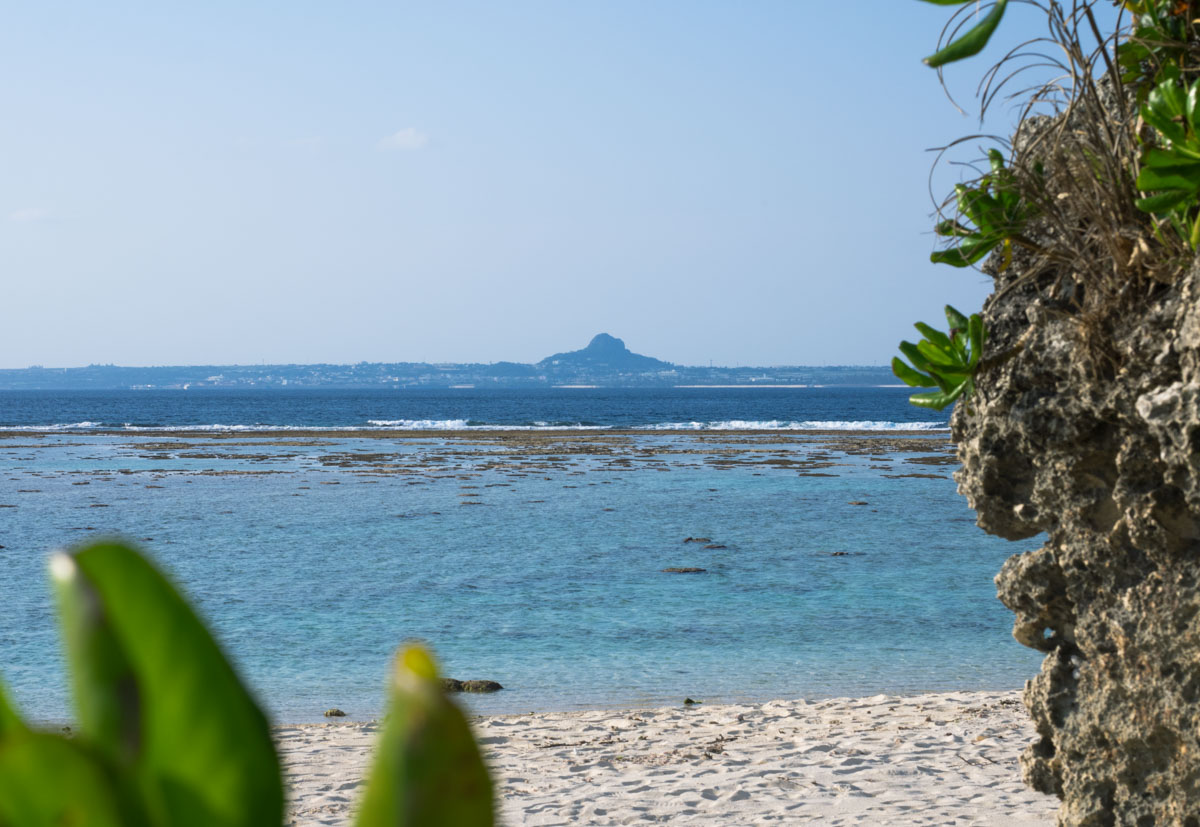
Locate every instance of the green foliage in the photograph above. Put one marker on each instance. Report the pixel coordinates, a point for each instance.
(1158, 42)
(1171, 169)
(998, 215)
(975, 38)
(428, 770)
(947, 361)
(169, 737)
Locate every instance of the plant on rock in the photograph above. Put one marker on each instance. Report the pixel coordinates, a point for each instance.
(1171, 169)
(997, 213)
(946, 361)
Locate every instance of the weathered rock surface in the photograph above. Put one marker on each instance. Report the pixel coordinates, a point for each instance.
(1088, 429)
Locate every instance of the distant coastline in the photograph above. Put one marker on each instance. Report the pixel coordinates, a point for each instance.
(605, 363)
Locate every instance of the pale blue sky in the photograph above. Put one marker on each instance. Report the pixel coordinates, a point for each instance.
(741, 182)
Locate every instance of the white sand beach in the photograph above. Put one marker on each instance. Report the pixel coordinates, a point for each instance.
(945, 758)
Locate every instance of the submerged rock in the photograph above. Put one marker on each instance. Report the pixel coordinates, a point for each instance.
(481, 686)
(334, 713)
(697, 539)
(452, 685)
(684, 570)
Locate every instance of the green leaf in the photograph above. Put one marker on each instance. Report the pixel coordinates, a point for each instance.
(202, 749)
(970, 43)
(934, 399)
(47, 781)
(1163, 202)
(1152, 180)
(1167, 170)
(937, 358)
(967, 253)
(975, 335)
(909, 376)
(996, 161)
(10, 721)
(1172, 160)
(914, 355)
(936, 337)
(1163, 106)
(938, 399)
(980, 207)
(428, 771)
(105, 688)
(950, 227)
(956, 320)
(1193, 108)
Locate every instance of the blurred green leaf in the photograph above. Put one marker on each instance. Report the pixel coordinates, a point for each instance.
(909, 376)
(956, 320)
(105, 688)
(199, 746)
(1163, 202)
(428, 771)
(48, 781)
(937, 337)
(973, 41)
(10, 721)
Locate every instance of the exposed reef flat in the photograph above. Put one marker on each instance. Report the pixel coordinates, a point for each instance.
(384, 452)
(926, 759)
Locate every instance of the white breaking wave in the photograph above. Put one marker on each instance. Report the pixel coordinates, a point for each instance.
(421, 424)
(62, 426)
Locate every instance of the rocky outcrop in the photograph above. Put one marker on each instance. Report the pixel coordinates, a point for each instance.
(1086, 427)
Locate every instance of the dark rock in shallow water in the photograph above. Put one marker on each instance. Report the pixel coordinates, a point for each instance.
(452, 685)
(334, 713)
(481, 686)
(859, 502)
(697, 539)
(715, 546)
(684, 570)
(839, 554)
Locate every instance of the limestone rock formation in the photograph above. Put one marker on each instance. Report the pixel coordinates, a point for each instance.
(1088, 429)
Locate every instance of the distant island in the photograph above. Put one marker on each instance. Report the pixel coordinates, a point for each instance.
(605, 363)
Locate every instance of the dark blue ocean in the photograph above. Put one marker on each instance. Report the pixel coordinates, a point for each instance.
(685, 408)
(839, 563)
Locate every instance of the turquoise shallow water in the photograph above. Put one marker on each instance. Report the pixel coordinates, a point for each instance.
(314, 561)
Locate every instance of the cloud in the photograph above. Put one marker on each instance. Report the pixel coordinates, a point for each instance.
(29, 214)
(406, 140)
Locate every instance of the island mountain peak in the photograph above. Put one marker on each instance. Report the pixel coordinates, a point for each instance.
(605, 351)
